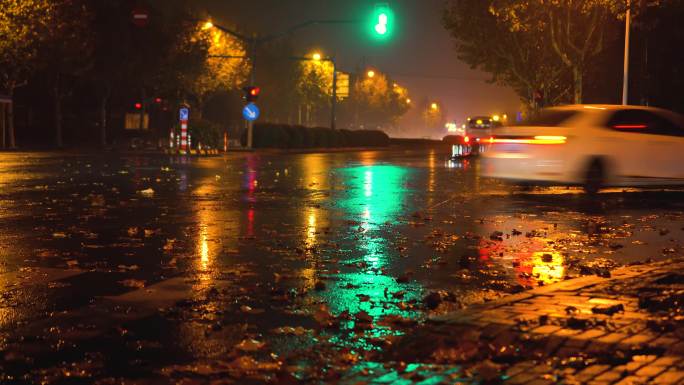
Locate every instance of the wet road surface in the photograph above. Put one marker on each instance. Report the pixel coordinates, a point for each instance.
(278, 267)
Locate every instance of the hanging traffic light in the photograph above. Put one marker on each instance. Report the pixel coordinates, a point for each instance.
(383, 21)
(138, 106)
(251, 93)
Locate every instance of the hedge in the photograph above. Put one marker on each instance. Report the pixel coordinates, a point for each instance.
(284, 136)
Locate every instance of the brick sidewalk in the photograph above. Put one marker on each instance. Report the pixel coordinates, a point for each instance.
(625, 329)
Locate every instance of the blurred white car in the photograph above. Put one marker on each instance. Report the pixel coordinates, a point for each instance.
(593, 146)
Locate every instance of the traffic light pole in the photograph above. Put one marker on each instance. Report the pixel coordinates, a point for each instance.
(252, 82)
(333, 104)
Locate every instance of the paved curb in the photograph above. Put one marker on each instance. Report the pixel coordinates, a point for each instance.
(617, 330)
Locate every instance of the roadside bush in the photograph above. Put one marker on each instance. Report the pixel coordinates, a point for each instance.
(295, 136)
(205, 132)
(284, 136)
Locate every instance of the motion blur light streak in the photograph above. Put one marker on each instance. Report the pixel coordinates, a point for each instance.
(535, 140)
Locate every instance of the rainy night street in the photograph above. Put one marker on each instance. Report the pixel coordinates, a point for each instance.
(283, 267)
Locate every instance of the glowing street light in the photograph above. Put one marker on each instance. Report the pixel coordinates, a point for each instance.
(434, 106)
(208, 25)
(317, 56)
(408, 101)
(371, 74)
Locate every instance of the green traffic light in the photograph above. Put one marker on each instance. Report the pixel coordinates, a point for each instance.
(381, 27)
(382, 21)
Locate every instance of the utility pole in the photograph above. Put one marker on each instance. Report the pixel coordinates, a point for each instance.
(333, 106)
(625, 80)
(252, 81)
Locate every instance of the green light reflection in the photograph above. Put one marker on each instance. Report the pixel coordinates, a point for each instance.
(373, 200)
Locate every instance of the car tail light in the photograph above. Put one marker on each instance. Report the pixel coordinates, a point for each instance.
(630, 127)
(540, 139)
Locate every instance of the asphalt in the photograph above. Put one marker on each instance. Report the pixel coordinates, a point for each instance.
(277, 267)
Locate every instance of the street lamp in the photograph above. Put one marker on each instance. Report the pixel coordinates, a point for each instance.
(371, 74)
(408, 101)
(208, 25)
(317, 56)
(434, 106)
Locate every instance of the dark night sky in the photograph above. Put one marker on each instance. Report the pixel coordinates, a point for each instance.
(420, 56)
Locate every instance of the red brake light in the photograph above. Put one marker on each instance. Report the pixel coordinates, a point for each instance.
(630, 127)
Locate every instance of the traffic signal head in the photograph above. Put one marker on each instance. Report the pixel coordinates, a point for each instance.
(382, 22)
(251, 93)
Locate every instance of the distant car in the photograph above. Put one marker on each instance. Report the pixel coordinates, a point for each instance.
(593, 146)
(461, 146)
(482, 127)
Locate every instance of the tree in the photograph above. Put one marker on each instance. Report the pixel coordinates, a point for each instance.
(314, 84)
(433, 114)
(279, 78)
(518, 58)
(223, 67)
(576, 29)
(543, 47)
(378, 100)
(160, 59)
(65, 51)
(23, 26)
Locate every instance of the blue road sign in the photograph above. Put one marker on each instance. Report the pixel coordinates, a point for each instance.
(184, 113)
(251, 112)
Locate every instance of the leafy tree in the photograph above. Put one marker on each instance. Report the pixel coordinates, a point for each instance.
(434, 115)
(537, 46)
(518, 58)
(65, 51)
(222, 68)
(23, 26)
(576, 29)
(378, 101)
(314, 84)
(279, 78)
(160, 59)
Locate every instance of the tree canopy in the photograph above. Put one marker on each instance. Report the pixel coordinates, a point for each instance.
(537, 46)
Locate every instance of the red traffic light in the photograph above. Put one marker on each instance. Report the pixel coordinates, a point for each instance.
(158, 100)
(251, 93)
(138, 106)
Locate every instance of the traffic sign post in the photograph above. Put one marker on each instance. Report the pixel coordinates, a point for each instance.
(184, 117)
(250, 113)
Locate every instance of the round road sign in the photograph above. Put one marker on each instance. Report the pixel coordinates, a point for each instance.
(140, 16)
